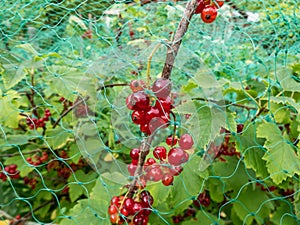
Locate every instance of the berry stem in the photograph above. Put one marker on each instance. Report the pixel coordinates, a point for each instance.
(177, 39)
(149, 63)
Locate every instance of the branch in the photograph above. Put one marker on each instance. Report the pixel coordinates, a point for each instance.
(111, 85)
(166, 73)
(69, 110)
(17, 154)
(180, 32)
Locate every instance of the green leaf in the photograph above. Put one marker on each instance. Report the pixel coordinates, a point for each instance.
(252, 204)
(28, 48)
(251, 148)
(286, 81)
(9, 112)
(57, 137)
(282, 161)
(283, 215)
(204, 218)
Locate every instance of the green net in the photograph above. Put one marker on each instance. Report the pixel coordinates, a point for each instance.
(67, 134)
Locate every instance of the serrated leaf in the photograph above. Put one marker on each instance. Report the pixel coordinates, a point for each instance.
(287, 101)
(257, 207)
(250, 146)
(282, 114)
(282, 161)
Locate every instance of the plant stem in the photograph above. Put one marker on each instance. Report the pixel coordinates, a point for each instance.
(180, 32)
(166, 73)
(69, 110)
(149, 63)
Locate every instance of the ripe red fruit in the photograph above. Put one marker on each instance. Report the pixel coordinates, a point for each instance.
(124, 212)
(138, 117)
(171, 141)
(167, 179)
(147, 201)
(158, 123)
(137, 207)
(137, 85)
(200, 7)
(139, 101)
(164, 105)
(115, 201)
(162, 88)
(209, 14)
(177, 156)
(112, 209)
(160, 153)
(113, 218)
(135, 153)
(154, 173)
(128, 204)
(186, 142)
(151, 113)
(131, 169)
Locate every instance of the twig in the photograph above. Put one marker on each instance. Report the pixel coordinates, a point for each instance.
(69, 110)
(111, 85)
(6, 215)
(166, 73)
(180, 32)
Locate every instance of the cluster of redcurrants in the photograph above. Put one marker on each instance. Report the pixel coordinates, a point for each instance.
(30, 182)
(11, 171)
(189, 212)
(169, 164)
(37, 159)
(208, 9)
(131, 211)
(150, 112)
(202, 200)
(35, 123)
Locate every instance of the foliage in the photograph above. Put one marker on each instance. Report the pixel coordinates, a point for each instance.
(240, 94)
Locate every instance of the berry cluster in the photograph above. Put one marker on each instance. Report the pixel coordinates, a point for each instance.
(35, 123)
(189, 212)
(202, 200)
(150, 112)
(208, 9)
(37, 159)
(30, 181)
(165, 164)
(124, 210)
(11, 171)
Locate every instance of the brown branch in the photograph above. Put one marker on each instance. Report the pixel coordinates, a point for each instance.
(180, 32)
(111, 85)
(166, 73)
(69, 110)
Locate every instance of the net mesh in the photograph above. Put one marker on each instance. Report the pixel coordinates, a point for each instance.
(66, 133)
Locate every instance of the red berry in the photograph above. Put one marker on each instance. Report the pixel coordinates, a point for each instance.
(128, 102)
(158, 123)
(137, 207)
(164, 105)
(160, 153)
(115, 201)
(154, 173)
(139, 101)
(209, 14)
(137, 85)
(177, 156)
(171, 141)
(147, 200)
(124, 212)
(151, 113)
(128, 204)
(145, 128)
(131, 169)
(112, 209)
(162, 88)
(167, 179)
(186, 142)
(200, 7)
(113, 218)
(150, 161)
(138, 117)
(135, 153)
